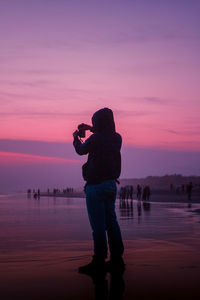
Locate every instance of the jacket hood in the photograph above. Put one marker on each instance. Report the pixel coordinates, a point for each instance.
(103, 121)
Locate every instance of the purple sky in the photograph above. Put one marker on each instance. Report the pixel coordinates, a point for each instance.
(63, 60)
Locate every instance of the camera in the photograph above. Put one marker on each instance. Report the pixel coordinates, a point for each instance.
(82, 128)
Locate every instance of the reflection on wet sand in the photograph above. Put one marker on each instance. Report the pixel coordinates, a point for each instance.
(108, 287)
(126, 208)
(43, 243)
(146, 206)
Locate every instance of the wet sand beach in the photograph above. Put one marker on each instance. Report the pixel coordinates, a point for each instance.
(157, 196)
(43, 242)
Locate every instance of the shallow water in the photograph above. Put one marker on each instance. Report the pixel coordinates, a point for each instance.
(43, 242)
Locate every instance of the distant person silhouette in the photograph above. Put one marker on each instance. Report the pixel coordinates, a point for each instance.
(146, 193)
(123, 193)
(139, 192)
(189, 190)
(101, 172)
(131, 192)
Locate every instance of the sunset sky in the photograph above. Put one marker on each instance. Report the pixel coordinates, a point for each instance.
(60, 61)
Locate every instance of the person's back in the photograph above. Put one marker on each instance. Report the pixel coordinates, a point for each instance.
(104, 159)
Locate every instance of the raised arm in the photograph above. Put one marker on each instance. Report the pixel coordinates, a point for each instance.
(80, 147)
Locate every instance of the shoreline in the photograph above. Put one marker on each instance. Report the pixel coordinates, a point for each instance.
(165, 198)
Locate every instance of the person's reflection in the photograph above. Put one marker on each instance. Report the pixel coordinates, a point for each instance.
(37, 201)
(126, 208)
(101, 289)
(139, 209)
(117, 286)
(146, 206)
(54, 201)
(100, 286)
(131, 208)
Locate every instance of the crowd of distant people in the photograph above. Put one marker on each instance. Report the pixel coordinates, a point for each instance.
(127, 192)
(126, 207)
(183, 189)
(36, 193)
(144, 193)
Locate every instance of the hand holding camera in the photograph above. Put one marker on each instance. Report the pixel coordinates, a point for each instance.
(81, 130)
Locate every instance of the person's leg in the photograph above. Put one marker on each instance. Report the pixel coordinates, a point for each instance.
(113, 231)
(112, 226)
(96, 214)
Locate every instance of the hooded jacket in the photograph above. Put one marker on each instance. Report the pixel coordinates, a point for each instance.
(103, 149)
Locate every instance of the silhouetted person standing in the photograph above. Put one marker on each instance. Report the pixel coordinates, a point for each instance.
(147, 192)
(139, 192)
(189, 190)
(101, 172)
(144, 193)
(131, 192)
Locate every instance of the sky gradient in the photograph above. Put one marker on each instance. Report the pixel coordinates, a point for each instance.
(63, 60)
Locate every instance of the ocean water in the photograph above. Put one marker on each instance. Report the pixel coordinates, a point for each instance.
(43, 242)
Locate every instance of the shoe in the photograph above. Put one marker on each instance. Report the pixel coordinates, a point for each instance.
(93, 268)
(115, 265)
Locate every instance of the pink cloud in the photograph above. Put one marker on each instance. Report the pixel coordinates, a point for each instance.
(11, 158)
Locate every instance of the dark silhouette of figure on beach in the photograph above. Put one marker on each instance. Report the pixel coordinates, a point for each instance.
(139, 210)
(126, 192)
(101, 172)
(123, 193)
(131, 192)
(139, 192)
(29, 193)
(189, 190)
(146, 193)
(120, 193)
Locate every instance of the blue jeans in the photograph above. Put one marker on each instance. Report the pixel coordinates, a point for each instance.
(100, 200)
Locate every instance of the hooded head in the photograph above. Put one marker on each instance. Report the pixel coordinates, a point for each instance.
(103, 121)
